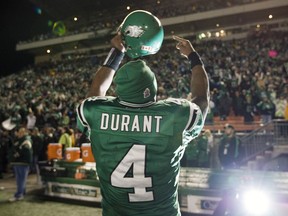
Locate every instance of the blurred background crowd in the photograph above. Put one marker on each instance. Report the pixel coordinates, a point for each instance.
(248, 77)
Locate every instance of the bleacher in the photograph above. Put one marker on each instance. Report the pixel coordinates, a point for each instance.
(238, 123)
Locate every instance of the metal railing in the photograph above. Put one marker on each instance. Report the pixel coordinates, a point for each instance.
(264, 138)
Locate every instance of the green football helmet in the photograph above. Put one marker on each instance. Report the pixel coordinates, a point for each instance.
(142, 33)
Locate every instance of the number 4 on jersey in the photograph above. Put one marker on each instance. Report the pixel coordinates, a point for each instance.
(136, 158)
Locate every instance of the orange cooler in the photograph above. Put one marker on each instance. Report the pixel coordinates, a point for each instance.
(87, 155)
(72, 153)
(54, 151)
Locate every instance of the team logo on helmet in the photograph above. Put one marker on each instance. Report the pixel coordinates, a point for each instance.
(134, 31)
(147, 48)
(151, 48)
(146, 93)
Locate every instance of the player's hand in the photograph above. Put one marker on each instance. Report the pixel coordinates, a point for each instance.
(117, 42)
(184, 46)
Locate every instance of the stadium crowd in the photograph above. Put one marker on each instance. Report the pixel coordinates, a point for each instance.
(247, 77)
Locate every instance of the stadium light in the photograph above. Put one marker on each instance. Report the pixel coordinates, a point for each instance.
(256, 202)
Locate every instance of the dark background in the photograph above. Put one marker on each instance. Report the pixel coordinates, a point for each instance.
(19, 21)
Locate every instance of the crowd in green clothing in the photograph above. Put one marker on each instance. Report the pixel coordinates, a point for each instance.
(205, 152)
(198, 151)
(238, 82)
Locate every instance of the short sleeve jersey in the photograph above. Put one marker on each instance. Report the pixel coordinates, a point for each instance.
(138, 152)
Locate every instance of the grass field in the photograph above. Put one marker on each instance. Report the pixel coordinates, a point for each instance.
(35, 204)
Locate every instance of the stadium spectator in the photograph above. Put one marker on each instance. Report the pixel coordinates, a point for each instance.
(21, 159)
(65, 118)
(48, 137)
(203, 147)
(37, 146)
(248, 109)
(224, 103)
(230, 149)
(266, 109)
(31, 120)
(280, 105)
(198, 152)
(65, 138)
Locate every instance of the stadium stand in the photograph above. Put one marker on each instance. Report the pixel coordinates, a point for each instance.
(246, 63)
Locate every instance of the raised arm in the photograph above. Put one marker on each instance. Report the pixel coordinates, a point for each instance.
(104, 76)
(199, 84)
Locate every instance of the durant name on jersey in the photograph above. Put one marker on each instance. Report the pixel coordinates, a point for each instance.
(131, 123)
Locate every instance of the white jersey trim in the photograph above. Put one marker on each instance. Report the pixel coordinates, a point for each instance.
(194, 116)
(82, 118)
(137, 105)
(81, 113)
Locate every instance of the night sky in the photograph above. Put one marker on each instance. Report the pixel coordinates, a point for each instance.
(19, 21)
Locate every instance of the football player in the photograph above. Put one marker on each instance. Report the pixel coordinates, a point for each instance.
(138, 142)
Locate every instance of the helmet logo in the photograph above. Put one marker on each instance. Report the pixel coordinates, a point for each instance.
(147, 48)
(134, 31)
(146, 93)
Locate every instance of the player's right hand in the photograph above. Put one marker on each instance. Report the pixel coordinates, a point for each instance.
(117, 42)
(184, 46)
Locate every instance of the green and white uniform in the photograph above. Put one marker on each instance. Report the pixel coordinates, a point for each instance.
(138, 152)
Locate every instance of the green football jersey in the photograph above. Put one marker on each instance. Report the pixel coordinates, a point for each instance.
(138, 152)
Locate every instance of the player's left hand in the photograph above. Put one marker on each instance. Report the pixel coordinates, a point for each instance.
(184, 46)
